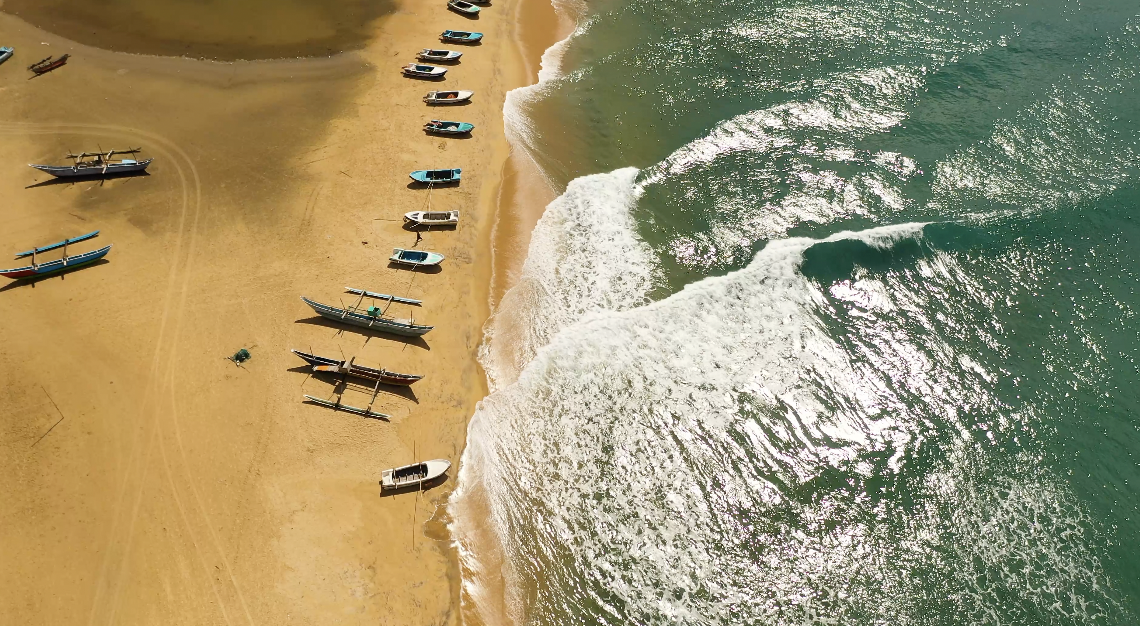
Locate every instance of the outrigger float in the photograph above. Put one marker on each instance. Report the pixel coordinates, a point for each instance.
(44, 66)
(337, 406)
(96, 164)
(373, 317)
(58, 265)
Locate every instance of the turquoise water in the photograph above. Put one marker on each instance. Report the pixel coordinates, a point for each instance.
(833, 322)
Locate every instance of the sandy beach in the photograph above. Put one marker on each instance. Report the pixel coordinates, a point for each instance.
(150, 480)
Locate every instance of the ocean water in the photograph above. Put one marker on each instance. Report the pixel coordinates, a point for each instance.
(833, 322)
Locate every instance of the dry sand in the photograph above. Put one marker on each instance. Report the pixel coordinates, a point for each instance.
(147, 480)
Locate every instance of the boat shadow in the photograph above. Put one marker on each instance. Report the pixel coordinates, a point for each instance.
(450, 104)
(32, 280)
(419, 269)
(415, 184)
(412, 227)
(395, 491)
(327, 323)
(433, 79)
(472, 17)
(87, 179)
(466, 135)
(471, 44)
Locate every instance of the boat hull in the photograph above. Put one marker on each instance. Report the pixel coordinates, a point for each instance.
(66, 171)
(466, 37)
(453, 128)
(430, 259)
(339, 366)
(378, 324)
(413, 476)
(5, 54)
(59, 265)
(470, 9)
(418, 218)
(445, 58)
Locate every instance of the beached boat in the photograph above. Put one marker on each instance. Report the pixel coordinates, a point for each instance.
(433, 54)
(432, 218)
(58, 265)
(414, 475)
(371, 318)
(44, 66)
(337, 406)
(443, 127)
(417, 258)
(420, 70)
(460, 36)
(436, 177)
(448, 97)
(6, 53)
(463, 7)
(340, 366)
(95, 164)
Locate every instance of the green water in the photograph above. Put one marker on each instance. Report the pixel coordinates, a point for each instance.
(834, 322)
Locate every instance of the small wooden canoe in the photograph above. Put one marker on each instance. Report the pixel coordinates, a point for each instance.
(414, 475)
(424, 71)
(444, 127)
(432, 218)
(448, 97)
(6, 53)
(460, 36)
(415, 258)
(463, 7)
(436, 55)
(46, 65)
(340, 366)
(436, 177)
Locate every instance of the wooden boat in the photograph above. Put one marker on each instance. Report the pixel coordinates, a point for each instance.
(371, 318)
(6, 53)
(443, 127)
(448, 97)
(58, 265)
(414, 475)
(463, 7)
(348, 368)
(95, 164)
(415, 258)
(460, 36)
(46, 65)
(337, 406)
(433, 54)
(424, 71)
(436, 177)
(432, 218)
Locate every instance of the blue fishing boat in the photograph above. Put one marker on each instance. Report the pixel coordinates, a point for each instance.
(443, 127)
(460, 36)
(436, 177)
(6, 53)
(58, 265)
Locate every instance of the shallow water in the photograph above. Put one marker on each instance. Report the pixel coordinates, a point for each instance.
(833, 321)
(215, 29)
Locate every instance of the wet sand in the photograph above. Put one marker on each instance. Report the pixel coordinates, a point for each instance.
(150, 480)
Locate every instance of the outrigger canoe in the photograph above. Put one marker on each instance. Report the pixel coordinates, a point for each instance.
(436, 177)
(95, 164)
(443, 127)
(58, 265)
(415, 258)
(414, 475)
(340, 366)
(463, 7)
(432, 218)
(371, 318)
(460, 36)
(448, 97)
(432, 54)
(424, 71)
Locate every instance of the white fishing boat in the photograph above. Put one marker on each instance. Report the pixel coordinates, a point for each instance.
(448, 97)
(437, 55)
(415, 258)
(414, 475)
(419, 70)
(432, 218)
(463, 7)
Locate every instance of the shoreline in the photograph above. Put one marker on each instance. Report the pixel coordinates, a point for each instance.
(169, 454)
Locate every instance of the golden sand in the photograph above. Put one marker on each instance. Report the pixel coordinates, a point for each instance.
(148, 479)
